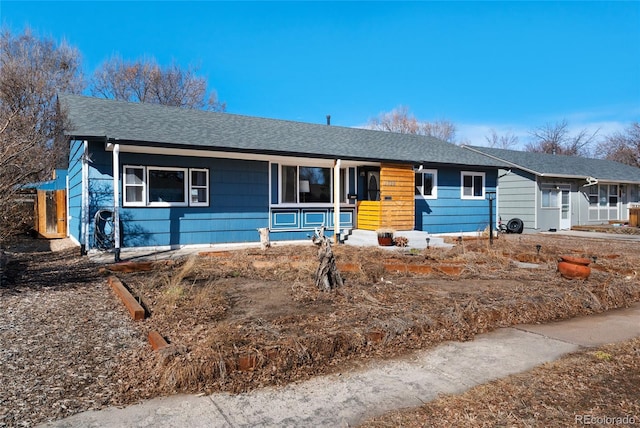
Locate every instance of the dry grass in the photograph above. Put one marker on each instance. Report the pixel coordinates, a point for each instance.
(250, 318)
(595, 383)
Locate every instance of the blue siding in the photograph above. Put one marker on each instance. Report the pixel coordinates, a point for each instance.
(449, 213)
(240, 195)
(75, 190)
(100, 184)
(238, 205)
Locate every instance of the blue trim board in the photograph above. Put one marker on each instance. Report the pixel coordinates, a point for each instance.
(285, 219)
(312, 219)
(308, 218)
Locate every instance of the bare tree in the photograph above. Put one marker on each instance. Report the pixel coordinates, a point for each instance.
(556, 139)
(402, 121)
(506, 141)
(623, 147)
(145, 81)
(32, 71)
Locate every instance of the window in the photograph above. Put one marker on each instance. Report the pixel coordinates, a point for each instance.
(165, 187)
(550, 197)
(426, 183)
(472, 185)
(593, 196)
(613, 195)
(134, 189)
(633, 193)
(603, 195)
(289, 184)
(199, 188)
(305, 184)
(319, 184)
(603, 201)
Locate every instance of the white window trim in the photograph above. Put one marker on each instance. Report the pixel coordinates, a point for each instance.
(185, 187)
(311, 165)
(145, 186)
(596, 194)
(558, 191)
(472, 174)
(206, 187)
(142, 203)
(434, 190)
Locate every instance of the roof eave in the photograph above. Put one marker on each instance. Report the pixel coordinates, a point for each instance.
(511, 164)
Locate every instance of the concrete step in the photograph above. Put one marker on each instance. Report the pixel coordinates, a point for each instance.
(417, 239)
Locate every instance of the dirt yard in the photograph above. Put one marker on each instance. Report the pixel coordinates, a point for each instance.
(244, 319)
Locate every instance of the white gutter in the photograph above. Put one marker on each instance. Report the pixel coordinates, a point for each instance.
(116, 201)
(336, 202)
(84, 212)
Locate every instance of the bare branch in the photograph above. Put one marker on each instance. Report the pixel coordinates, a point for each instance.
(400, 120)
(32, 72)
(506, 141)
(145, 81)
(622, 146)
(556, 139)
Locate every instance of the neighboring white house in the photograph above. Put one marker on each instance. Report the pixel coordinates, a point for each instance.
(550, 192)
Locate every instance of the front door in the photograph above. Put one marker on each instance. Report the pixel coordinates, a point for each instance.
(373, 185)
(565, 208)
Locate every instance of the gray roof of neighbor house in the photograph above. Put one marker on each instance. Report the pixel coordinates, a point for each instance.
(548, 165)
(157, 125)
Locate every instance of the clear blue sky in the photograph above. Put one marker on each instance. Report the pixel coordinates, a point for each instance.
(511, 66)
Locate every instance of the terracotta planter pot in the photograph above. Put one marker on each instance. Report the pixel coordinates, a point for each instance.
(576, 260)
(385, 241)
(574, 271)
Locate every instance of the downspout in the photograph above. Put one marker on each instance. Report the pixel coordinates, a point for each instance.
(84, 216)
(336, 202)
(116, 201)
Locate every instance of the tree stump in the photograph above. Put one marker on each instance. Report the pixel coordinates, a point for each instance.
(264, 238)
(327, 276)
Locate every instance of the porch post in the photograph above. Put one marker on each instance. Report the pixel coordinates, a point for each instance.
(116, 201)
(336, 202)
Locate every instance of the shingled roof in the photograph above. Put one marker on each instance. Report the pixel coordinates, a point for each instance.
(548, 165)
(157, 125)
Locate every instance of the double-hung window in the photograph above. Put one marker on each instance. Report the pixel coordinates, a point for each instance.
(426, 183)
(472, 185)
(199, 187)
(152, 186)
(134, 186)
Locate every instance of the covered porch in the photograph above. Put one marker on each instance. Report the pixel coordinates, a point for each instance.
(387, 201)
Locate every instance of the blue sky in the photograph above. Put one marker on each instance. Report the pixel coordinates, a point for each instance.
(511, 66)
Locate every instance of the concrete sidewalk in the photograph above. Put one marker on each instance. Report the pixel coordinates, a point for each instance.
(347, 399)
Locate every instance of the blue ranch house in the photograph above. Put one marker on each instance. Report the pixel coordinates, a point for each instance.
(167, 177)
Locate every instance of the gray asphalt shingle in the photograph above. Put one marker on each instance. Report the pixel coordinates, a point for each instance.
(544, 164)
(152, 124)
